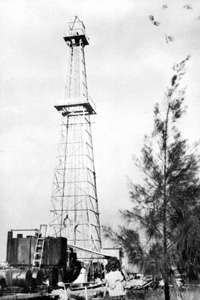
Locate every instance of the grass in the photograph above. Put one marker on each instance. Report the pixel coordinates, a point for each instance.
(191, 293)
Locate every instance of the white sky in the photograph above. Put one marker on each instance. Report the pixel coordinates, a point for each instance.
(129, 64)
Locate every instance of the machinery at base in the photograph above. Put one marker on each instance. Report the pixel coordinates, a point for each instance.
(22, 269)
(35, 262)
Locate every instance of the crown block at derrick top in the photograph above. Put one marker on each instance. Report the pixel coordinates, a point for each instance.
(74, 36)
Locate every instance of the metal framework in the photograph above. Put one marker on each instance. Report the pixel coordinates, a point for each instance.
(74, 203)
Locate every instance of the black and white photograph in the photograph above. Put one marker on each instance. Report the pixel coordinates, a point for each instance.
(100, 149)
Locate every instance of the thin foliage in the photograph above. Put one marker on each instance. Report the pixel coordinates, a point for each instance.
(167, 200)
(167, 204)
(128, 239)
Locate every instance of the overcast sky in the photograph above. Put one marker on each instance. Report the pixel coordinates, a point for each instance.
(129, 65)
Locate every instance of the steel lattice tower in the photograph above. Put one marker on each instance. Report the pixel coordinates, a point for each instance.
(74, 203)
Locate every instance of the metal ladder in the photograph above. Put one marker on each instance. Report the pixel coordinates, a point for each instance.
(39, 247)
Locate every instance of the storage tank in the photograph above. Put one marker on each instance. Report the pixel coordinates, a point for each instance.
(20, 251)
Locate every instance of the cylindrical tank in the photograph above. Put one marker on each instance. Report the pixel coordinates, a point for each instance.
(37, 276)
(21, 277)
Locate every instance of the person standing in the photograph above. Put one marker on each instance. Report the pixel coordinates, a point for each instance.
(114, 280)
(82, 277)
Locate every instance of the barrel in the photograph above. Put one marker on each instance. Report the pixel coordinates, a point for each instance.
(21, 277)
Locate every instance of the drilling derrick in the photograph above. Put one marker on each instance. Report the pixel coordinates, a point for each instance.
(74, 203)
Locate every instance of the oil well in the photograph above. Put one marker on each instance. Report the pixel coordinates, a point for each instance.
(74, 202)
(54, 252)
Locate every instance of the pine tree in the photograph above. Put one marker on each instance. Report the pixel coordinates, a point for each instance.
(167, 201)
